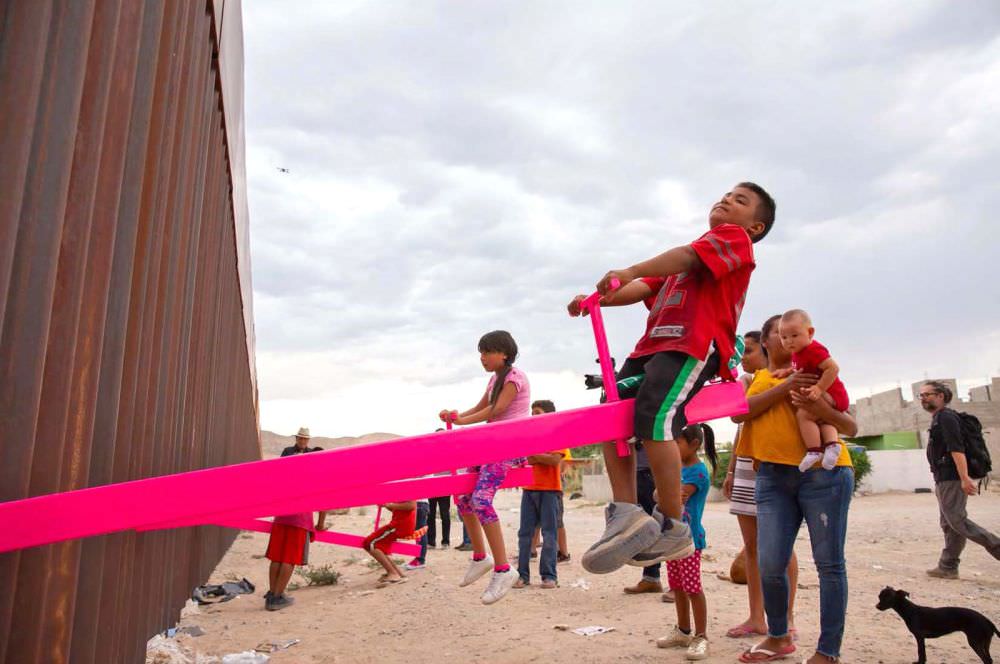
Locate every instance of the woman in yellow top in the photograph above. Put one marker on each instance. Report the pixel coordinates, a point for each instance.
(786, 496)
(739, 488)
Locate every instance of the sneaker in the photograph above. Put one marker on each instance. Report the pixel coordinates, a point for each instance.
(499, 585)
(549, 584)
(698, 649)
(644, 586)
(414, 564)
(675, 639)
(268, 595)
(627, 532)
(672, 544)
(476, 569)
(278, 603)
(445, 545)
(563, 557)
(939, 573)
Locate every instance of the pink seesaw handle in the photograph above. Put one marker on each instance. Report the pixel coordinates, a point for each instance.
(592, 304)
(378, 516)
(448, 424)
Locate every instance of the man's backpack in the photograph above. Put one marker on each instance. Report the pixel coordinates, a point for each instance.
(977, 455)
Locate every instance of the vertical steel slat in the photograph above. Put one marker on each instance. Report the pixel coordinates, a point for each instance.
(126, 340)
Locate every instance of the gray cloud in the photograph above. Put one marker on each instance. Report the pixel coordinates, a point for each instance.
(457, 168)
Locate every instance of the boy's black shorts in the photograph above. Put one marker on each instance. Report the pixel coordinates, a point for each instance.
(671, 380)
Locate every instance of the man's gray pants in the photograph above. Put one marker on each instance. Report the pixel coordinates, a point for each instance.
(958, 527)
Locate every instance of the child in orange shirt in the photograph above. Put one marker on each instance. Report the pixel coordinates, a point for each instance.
(540, 507)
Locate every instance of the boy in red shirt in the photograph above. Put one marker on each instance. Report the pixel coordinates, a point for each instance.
(699, 292)
(810, 356)
(403, 523)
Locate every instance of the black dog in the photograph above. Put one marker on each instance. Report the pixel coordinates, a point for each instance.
(927, 623)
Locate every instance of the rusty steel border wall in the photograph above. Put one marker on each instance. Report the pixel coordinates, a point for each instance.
(126, 328)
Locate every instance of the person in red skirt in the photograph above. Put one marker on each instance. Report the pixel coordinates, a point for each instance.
(288, 545)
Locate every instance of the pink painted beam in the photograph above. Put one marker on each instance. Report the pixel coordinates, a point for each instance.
(106, 509)
(327, 536)
(717, 400)
(334, 499)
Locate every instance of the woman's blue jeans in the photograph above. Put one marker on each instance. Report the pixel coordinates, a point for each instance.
(786, 496)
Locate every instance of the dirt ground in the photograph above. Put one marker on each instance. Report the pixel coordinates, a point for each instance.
(892, 539)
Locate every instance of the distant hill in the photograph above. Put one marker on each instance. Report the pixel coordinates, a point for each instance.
(272, 443)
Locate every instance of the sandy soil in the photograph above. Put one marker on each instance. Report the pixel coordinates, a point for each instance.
(892, 540)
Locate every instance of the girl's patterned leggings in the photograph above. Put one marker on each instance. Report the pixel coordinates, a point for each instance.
(480, 502)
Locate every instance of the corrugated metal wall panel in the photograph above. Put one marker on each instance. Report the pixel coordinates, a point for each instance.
(126, 345)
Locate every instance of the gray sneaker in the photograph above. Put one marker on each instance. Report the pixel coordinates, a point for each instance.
(627, 532)
(941, 573)
(672, 544)
(279, 602)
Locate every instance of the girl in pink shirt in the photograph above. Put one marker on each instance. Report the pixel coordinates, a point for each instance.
(507, 397)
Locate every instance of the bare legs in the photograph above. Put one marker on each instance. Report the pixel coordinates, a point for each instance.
(688, 603)
(391, 570)
(487, 533)
(279, 574)
(665, 462)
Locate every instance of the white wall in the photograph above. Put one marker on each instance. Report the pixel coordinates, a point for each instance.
(898, 470)
(597, 488)
(892, 470)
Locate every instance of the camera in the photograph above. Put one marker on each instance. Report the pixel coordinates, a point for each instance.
(595, 381)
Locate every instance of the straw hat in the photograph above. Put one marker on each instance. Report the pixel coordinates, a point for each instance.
(303, 433)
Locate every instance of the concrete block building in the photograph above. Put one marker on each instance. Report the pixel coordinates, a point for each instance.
(887, 421)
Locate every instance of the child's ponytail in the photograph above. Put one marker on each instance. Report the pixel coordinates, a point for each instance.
(702, 434)
(713, 457)
(498, 385)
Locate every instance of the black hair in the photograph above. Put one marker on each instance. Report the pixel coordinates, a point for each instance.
(755, 335)
(765, 329)
(766, 207)
(941, 388)
(544, 405)
(499, 341)
(702, 433)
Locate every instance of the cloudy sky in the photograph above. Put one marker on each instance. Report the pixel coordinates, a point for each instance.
(461, 167)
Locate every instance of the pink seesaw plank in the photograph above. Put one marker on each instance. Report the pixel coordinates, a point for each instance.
(327, 536)
(115, 507)
(334, 499)
(717, 400)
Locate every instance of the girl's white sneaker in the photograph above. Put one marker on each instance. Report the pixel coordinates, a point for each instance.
(499, 585)
(476, 569)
